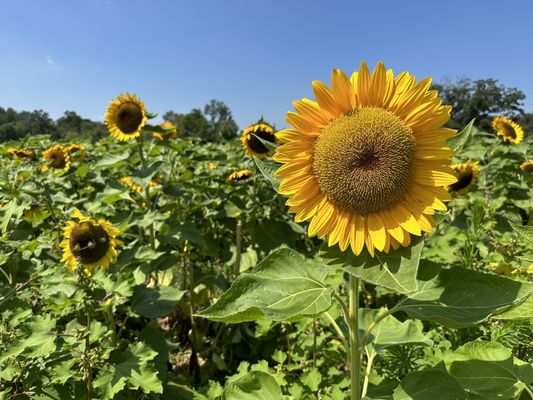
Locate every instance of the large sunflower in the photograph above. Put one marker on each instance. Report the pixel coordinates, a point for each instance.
(252, 145)
(88, 243)
(366, 163)
(466, 174)
(239, 175)
(58, 158)
(509, 130)
(125, 117)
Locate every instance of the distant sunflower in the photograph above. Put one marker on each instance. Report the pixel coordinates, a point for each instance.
(88, 243)
(527, 166)
(239, 175)
(509, 130)
(125, 117)
(58, 157)
(21, 154)
(126, 181)
(252, 145)
(76, 151)
(466, 174)
(169, 134)
(366, 163)
(212, 165)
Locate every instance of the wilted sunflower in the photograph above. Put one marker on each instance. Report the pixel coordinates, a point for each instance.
(509, 130)
(466, 174)
(169, 134)
(366, 163)
(252, 145)
(125, 117)
(239, 175)
(126, 181)
(88, 243)
(58, 157)
(527, 166)
(21, 154)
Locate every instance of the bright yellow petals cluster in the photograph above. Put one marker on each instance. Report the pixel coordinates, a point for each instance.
(366, 163)
(126, 181)
(467, 174)
(125, 117)
(241, 175)
(509, 130)
(21, 154)
(252, 145)
(527, 166)
(58, 158)
(170, 131)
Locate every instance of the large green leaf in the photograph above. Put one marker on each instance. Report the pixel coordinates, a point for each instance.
(284, 286)
(458, 141)
(432, 384)
(396, 270)
(268, 168)
(525, 232)
(256, 385)
(522, 310)
(458, 297)
(488, 369)
(155, 302)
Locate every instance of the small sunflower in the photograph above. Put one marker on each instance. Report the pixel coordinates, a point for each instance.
(169, 134)
(527, 166)
(252, 145)
(88, 243)
(126, 181)
(466, 174)
(58, 157)
(21, 154)
(239, 175)
(366, 163)
(76, 151)
(509, 130)
(125, 117)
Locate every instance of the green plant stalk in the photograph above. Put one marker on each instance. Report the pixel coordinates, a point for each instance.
(369, 361)
(238, 254)
(51, 208)
(146, 189)
(82, 279)
(338, 330)
(353, 325)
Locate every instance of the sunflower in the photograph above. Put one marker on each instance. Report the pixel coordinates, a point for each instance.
(126, 181)
(88, 243)
(366, 163)
(58, 157)
(252, 145)
(125, 117)
(509, 130)
(21, 154)
(171, 131)
(239, 175)
(466, 174)
(78, 150)
(527, 166)
(212, 165)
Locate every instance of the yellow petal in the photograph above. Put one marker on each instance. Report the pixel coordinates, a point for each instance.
(376, 229)
(325, 99)
(342, 90)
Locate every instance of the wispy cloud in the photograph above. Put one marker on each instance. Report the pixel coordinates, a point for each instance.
(50, 62)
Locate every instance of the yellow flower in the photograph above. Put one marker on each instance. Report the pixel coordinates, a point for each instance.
(21, 154)
(466, 174)
(171, 131)
(527, 166)
(78, 149)
(126, 181)
(88, 243)
(58, 157)
(252, 145)
(239, 175)
(125, 117)
(509, 130)
(366, 163)
(212, 165)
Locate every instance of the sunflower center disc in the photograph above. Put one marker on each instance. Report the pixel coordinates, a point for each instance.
(88, 243)
(464, 178)
(364, 161)
(57, 160)
(128, 117)
(255, 144)
(508, 131)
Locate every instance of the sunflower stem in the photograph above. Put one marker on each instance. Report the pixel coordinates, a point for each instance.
(355, 351)
(238, 256)
(146, 189)
(369, 361)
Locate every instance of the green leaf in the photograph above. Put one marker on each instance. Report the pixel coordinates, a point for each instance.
(458, 141)
(525, 232)
(395, 271)
(458, 297)
(284, 286)
(268, 168)
(522, 310)
(486, 368)
(256, 385)
(111, 160)
(155, 302)
(269, 145)
(429, 385)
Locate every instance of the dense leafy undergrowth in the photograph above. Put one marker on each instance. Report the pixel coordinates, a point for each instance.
(155, 324)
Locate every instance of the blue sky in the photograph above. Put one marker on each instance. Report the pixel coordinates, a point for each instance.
(256, 56)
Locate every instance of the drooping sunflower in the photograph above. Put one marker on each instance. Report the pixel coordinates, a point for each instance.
(21, 154)
(58, 157)
(125, 117)
(509, 130)
(126, 181)
(169, 134)
(76, 151)
(366, 163)
(239, 175)
(527, 166)
(88, 243)
(466, 174)
(252, 145)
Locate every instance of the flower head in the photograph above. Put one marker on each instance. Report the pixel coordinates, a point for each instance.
(527, 166)
(125, 117)
(239, 175)
(466, 174)
(58, 158)
(21, 154)
(252, 145)
(169, 134)
(509, 130)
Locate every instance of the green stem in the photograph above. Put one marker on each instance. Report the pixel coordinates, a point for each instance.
(238, 239)
(51, 208)
(314, 343)
(338, 330)
(369, 361)
(355, 351)
(146, 190)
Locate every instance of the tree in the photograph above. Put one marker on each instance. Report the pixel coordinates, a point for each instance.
(481, 99)
(222, 125)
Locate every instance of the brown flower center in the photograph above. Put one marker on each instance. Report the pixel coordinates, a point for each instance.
(464, 178)
(88, 242)
(255, 144)
(129, 117)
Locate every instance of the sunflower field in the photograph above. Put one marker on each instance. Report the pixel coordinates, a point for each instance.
(365, 252)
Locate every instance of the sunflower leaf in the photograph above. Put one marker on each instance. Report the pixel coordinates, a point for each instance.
(428, 385)
(525, 232)
(155, 302)
(458, 141)
(256, 385)
(268, 169)
(283, 287)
